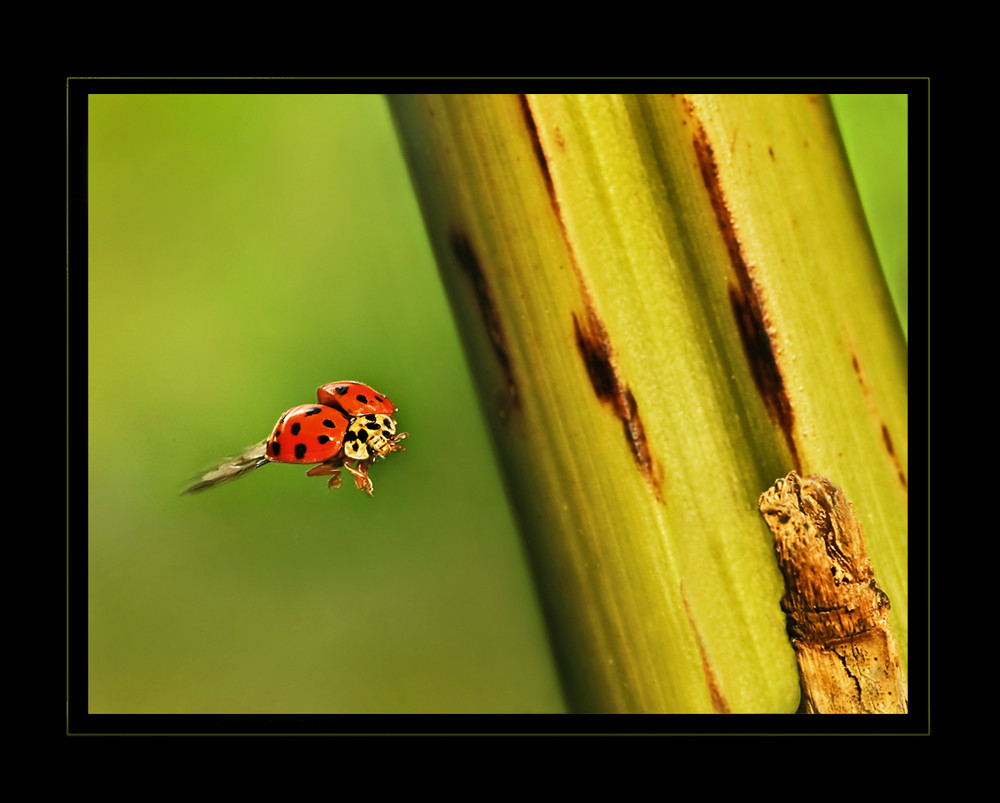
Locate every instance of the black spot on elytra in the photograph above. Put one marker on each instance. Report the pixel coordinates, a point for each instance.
(329, 424)
(300, 451)
(362, 398)
(275, 448)
(313, 411)
(296, 427)
(323, 439)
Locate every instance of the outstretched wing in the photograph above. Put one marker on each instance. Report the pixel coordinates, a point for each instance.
(232, 468)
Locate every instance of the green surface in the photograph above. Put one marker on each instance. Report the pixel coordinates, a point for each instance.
(244, 250)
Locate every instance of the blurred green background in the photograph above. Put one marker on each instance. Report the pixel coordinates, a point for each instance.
(243, 250)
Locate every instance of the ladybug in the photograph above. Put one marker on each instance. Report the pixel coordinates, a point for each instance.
(326, 435)
(355, 398)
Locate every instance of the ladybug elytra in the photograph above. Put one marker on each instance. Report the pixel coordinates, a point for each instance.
(355, 398)
(309, 433)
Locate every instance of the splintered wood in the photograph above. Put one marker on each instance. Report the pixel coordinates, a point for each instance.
(838, 617)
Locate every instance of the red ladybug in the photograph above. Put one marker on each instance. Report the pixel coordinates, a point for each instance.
(328, 435)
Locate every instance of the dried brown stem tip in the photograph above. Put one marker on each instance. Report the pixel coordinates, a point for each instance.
(838, 617)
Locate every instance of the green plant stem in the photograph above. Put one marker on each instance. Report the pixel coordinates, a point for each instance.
(667, 302)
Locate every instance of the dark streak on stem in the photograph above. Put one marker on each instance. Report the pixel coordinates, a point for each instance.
(886, 436)
(887, 440)
(536, 142)
(719, 702)
(594, 347)
(745, 301)
(592, 341)
(468, 263)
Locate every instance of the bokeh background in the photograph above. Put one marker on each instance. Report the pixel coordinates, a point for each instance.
(243, 250)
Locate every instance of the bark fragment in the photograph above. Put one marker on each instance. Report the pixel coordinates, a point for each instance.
(838, 617)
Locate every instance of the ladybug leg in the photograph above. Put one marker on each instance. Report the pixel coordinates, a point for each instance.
(361, 478)
(324, 469)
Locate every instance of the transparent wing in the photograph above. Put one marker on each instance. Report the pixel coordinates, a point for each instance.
(231, 468)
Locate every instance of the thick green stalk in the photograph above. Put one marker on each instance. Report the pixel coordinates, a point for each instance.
(667, 303)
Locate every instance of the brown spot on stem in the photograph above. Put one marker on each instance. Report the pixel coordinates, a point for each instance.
(886, 437)
(595, 350)
(763, 367)
(887, 440)
(468, 262)
(719, 703)
(558, 137)
(536, 143)
(746, 302)
(592, 341)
